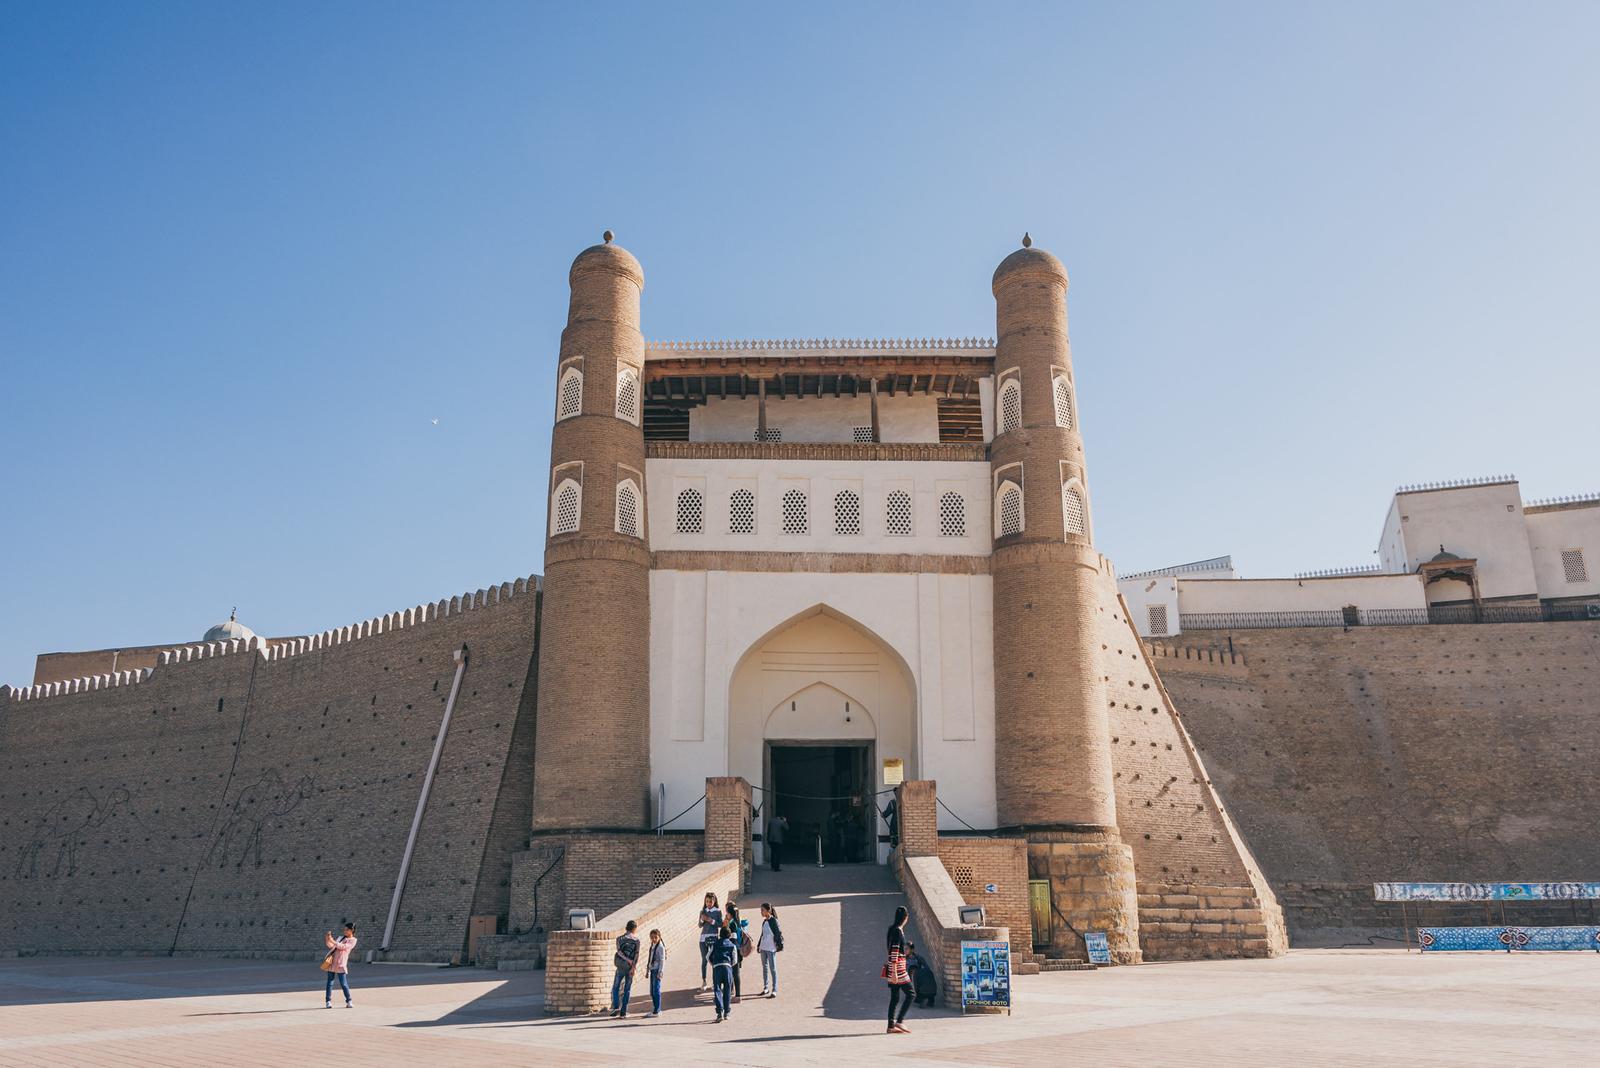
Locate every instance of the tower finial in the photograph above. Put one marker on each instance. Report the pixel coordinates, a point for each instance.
(234, 615)
(607, 236)
(1027, 241)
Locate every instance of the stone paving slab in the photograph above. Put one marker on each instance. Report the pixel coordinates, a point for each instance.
(1312, 1009)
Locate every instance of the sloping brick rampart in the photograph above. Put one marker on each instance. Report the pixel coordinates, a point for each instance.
(238, 800)
(1380, 754)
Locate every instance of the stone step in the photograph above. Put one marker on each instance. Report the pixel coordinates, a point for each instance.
(1056, 964)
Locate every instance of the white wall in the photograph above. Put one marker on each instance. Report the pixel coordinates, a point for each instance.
(1142, 593)
(1565, 528)
(1391, 543)
(1484, 523)
(900, 418)
(872, 480)
(1300, 595)
(938, 629)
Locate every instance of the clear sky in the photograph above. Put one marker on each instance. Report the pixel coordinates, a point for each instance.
(249, 252)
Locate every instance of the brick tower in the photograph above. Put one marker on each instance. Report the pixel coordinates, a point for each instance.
(593, 733)
(1052, 738)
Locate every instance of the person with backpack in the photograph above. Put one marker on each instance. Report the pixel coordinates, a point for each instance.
(923, 983)
(769, 944)
(743, 947)
(626, 960)
(337, 964)
(722, 954)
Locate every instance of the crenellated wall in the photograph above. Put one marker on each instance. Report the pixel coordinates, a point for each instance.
(235, 799)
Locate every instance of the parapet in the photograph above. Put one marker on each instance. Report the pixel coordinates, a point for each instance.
(285, 648)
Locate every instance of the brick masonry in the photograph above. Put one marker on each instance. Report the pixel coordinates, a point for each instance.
(1400, 753)
(233, 802)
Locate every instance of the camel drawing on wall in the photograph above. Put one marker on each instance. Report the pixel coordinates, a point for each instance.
(57, 831)
(256, 808)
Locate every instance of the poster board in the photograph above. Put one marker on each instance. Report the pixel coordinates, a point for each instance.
(985, 975)
(1099, 949)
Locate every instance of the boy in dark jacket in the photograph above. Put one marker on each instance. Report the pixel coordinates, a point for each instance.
(724, 951)
(626, 959)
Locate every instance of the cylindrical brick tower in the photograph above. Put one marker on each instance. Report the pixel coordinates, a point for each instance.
(1052, 736)
(593, 733)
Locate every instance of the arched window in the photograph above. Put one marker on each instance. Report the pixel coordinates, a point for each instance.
(897, 514)
(793, 511)
(691, 512)
(1063, 403)
(742, 512)
(628, 509)
(569, 397)
(1010, 405)
(1008, 509)
(846, 512)
(1074, 513)
(628, 395)
(952, 515)
(565, 505)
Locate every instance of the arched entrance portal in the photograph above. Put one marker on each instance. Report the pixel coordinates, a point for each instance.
(815, 709)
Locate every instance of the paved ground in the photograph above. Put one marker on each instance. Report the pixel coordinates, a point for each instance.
(1314, 1008)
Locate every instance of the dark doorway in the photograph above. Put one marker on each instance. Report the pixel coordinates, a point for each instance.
(822, 790)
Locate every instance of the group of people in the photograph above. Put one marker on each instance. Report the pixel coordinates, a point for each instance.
(725, 941)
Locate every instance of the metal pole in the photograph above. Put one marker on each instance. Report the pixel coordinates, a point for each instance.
(819, 850)
(422, 801)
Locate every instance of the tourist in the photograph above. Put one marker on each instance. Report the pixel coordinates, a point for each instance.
(722, 955)
(626, 959)
(777, 831)
(742, 945)
(710, 923)
(769, 945)
(657, 965)
(894, 971)
(337, 963)
(922, 978)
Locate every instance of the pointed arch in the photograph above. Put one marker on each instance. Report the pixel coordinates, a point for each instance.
(1074, 509)
(569, 394)
(630, 509)
(566, 507)
(1010, 406)
(1063, 398)
(628, 394)
(1008, 517)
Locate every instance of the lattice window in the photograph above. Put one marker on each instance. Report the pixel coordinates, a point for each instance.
(1063, 403)
(742, 512)
(569, 398)
(629, 509)
(862, 434)
(659, 876)
(1572, 565)
(1158, 618)
(897, 514)
(952, 515)
(565, 508)
(1008, 506)
(846, 512)
(691, 512)
(772, 433)
(793, 509)
(1010, 405)
(1074, 513)
(964, 878)
(628, 395)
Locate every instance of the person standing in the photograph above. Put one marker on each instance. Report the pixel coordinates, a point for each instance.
(743, 947)
(338, 964)
(769, 944)
(710, 923)
(626, 959)
(777, 831)
(657, 966)
(722, 955)
(894, 971)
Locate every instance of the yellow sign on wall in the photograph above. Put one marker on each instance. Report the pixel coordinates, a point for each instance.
(894, 771)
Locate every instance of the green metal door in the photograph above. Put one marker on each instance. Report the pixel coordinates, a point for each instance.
(1039, 907)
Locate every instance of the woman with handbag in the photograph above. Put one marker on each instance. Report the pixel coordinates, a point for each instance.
(894, 971)
(337, 963)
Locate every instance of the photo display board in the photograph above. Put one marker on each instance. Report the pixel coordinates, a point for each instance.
(985, 975)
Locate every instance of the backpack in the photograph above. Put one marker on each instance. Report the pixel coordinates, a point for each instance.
(777, 934)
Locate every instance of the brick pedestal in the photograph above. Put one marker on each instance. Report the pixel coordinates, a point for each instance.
(1092, 888)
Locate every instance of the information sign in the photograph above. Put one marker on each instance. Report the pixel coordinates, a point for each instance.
(985, 975)
(1099, 949)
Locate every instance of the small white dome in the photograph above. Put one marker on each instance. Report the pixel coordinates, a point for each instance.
(223, 632)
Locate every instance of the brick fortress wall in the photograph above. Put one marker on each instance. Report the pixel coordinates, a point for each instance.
(1400, 753)
(238, 800)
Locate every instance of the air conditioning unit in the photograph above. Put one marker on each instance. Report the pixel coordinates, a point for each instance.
(1592, 611)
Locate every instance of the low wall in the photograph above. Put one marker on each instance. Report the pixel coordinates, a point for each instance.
(580, 966)
(935, 903)
(1341, 914)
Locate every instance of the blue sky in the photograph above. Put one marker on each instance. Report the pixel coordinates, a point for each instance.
(249, 252)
